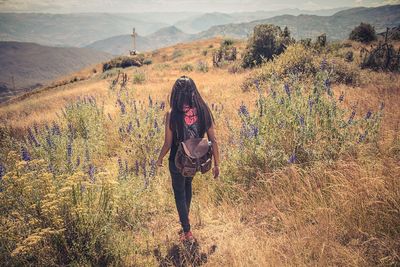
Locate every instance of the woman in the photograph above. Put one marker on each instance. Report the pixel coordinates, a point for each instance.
(189, 117)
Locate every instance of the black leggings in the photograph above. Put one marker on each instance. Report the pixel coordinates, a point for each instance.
(183, 194)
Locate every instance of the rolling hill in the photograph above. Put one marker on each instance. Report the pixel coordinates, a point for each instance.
(70, 29)
(337, 26)
(24, 66)
(203, 22)
(121, 44)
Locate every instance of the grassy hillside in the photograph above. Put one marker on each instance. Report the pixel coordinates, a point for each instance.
(82, 158)
(32, 65)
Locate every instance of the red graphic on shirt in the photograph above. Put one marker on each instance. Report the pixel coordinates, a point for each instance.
(190, 115)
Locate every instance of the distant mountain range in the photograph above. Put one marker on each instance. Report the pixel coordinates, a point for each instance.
(337, 26)
(28, 65)
(203, 22)
(81, 29)
(75, 30)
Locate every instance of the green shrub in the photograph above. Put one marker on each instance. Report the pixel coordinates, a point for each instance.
(296, 122)
(304, 63)
(267, 41)
(147, 61)
(321, 41)
(177, 53)
(123, 62)
(227, 42)
(202, 66)
(364, 33)
(235, 67)
(139, 77)
(187, 67)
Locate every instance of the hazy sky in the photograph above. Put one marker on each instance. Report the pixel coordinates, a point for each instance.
(66, 6)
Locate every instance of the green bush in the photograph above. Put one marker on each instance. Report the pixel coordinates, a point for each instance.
(227, 42)
(202, 66)
(363, 33)
(139, 77)
(147, 61)
(296, 122)
(267, 41)
(187, 67)
(123, 62)
(177, 53)
(304, 63)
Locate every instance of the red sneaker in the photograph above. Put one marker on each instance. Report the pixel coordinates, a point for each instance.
(187, 237)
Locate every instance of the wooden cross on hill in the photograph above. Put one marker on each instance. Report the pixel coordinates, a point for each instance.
(134, 34)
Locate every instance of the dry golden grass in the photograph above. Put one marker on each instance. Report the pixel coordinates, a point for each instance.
(324, 216)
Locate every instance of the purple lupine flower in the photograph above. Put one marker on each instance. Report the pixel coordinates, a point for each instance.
(78, 161)
(292, 159)
(287, 89)
(51, 168)
(56, 129)
(2, 171)
(120, 166)
(162, 105)
(126, 167)
(36, 128)
(341, 97)
(302, 123)
(69, 151)
(156, 126)
(144, 168)
(32, 138)
(49, 141)
(257, 83)
(324, 64)
(253, 130)
(368, 115)
(87, 155)
(243, 111)
(71, 131)
(137, 123)
(310, 104)
(47, 128)
(273, 93)
(129, 127)
(362, 137)
(25, 154)
(122, 106)
(327, 84)
(91, 172)
(152, 172)
(353, 113)
(136, 167)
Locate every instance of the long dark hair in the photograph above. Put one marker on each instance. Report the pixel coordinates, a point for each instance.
(184, 92)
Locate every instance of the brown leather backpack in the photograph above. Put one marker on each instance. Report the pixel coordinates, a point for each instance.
(193, 155)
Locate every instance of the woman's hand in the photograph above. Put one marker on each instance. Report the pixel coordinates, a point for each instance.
(159, 163)
(215, 172)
